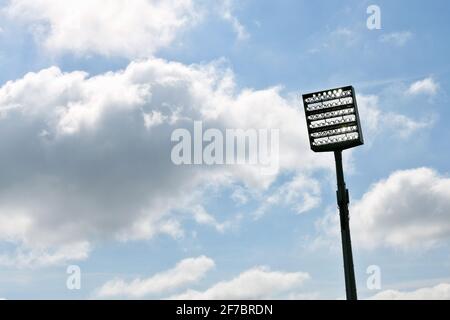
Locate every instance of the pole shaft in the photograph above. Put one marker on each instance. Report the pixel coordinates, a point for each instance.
(343, 200)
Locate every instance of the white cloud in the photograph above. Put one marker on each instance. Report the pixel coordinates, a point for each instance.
(301, 194)
(397, 38)
(375, 121)
(185, 272)
(45, 257)
(240, 195)
(304, 296)
(408, 210)
(256, 283)
(370, 114)
(201, 216)
(426, 86)
(88, 158)
(405, 126)
(438, 292)
(226, 11)
(119, 28)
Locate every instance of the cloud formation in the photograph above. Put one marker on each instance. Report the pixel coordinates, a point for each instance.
(226, 11)
(376, 122)
(185, 272)
(132, 29)
(256, 283)
(426, 86)
(301, 194)
(438, 292)
(88, 158)
(408, 210)
(120, 28)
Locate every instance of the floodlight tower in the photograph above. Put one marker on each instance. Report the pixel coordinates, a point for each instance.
(333, 125)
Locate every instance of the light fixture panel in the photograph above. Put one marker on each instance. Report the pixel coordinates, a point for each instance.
(332, 119)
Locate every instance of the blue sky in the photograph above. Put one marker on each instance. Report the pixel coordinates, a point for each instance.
(77, 181)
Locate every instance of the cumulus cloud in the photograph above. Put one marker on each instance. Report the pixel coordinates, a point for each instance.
(408, 210)
(118, 28)
(256, 283)
(426, 86)
(88, 158)
(438, 292)
(397, 38)
(185, 272)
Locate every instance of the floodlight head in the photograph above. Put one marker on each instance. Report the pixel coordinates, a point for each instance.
(332, 119)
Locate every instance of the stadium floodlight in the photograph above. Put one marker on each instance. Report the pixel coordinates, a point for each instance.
(332, 119)
(333, 125)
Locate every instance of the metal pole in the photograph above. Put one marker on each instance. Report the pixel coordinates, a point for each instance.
(343, 201)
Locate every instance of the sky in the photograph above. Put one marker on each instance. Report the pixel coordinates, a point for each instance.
(91, 92)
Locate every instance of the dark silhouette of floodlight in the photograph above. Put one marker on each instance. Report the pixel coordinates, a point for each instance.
(333, 125)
